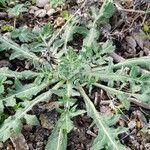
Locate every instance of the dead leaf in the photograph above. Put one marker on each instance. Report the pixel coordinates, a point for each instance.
(59, 22)
(19, 142)
(51, 105)
(131, 41)
(106, 111)
(138, 39)
(46, 122)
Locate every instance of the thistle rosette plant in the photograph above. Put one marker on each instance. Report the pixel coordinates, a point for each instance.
(58, 69)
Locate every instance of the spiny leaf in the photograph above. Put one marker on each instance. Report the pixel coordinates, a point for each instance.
(7, 44)
(1, 107)
(27, 74)
(56, 3)
(10, 123)
(90, 38)
(20, 52)
(107, 10)
(68, 33)
(31, 119)
(16, 10)
(57, 140)
(23, 34)
(23, 93)
(2, 81)
(142, 62)
(122, 95)
(109, 140)
(69, 66)
(107, 48)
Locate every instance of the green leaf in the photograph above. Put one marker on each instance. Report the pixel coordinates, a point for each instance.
(107, 9)
(56, 3)
(16, 10)
(23, 34)
(27, 74)
(13, 123)
(107, 48)
(7, 28)
(2, 81)
(91, 37)
(57, 140)
(77, 113)
(108, 137)
(25, 92)
(9, 128)
(66, 15)
(69, 66)
(1, 106)
(7, 44)
(47, 30)
(31, 119)
(68, 33)
(21, 52)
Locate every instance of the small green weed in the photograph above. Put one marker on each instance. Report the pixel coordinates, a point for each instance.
(17, 10)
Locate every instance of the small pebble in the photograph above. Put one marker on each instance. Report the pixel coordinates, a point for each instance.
(132, 124)
(47, 7)
(1, 145)
(39, 144)
(40, 13)
(41, 3)
(51, 12)
(33, 9)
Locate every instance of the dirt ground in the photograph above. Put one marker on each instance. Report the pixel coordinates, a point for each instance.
(126, 29)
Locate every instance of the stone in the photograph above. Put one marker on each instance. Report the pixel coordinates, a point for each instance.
(40, 13)
(1, 145)
(41, 3)
(47, 7)
(51, 12)
(33, 9)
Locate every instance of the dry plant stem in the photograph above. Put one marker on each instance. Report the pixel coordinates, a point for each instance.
(134, 19)
(130, 10)
(19, 142)
(145, 14)
(55, 36)
(133, 100)
(117, 58)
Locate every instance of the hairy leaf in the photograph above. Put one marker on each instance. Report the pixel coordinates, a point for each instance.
(109, 136)
(13, 123)
(16, 10)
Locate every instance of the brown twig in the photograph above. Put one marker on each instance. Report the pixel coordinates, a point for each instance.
(139, 103)
(130, 10)
(118, 58)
